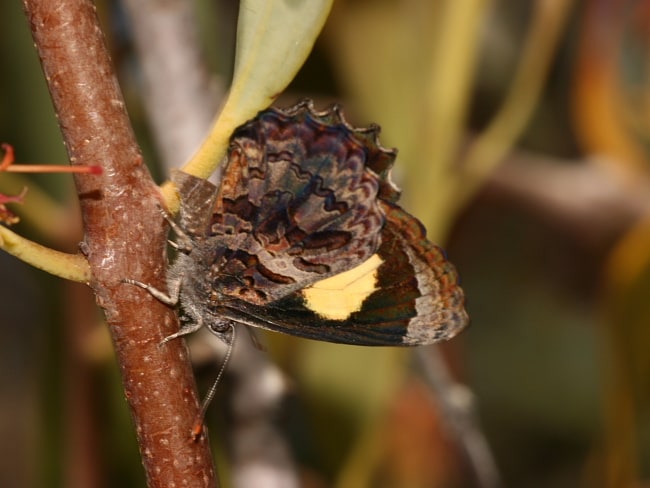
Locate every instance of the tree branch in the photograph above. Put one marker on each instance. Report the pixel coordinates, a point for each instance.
(181, 104)
(124, 237)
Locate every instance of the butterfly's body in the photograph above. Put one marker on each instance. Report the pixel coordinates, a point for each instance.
(304, 237)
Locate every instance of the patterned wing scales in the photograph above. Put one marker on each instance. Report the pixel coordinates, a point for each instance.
(298, 202)
(419, 301)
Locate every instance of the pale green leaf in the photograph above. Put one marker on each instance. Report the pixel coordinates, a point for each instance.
(274, 38)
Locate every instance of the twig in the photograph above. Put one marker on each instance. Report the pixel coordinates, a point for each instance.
(456, 403)
(124, 237)
(181, 104)
(587, 197)
(487, 151)
(261, 455)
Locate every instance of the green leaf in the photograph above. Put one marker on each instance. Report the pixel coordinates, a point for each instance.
(274, 38)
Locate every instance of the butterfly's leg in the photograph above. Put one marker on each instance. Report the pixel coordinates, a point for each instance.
(183, 241)
(170, 298)
(185, 330)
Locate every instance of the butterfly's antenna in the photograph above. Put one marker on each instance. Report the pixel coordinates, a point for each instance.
(197, 427)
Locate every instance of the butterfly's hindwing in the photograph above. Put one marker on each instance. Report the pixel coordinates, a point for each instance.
(414, 297)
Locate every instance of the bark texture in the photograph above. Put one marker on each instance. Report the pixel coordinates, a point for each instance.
(124, 237)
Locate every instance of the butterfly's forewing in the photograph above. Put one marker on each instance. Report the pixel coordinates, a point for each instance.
(296, 205)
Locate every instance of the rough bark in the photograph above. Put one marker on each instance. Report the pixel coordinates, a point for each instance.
(124, 236)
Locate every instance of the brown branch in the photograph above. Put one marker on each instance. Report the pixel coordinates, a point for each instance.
(181, 103)
(457, 406)
(124, 237)
(590, 198)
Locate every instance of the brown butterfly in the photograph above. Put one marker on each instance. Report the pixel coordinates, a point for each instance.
(304, 236)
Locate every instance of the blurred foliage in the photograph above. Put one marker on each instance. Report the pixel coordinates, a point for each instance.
(556, 354)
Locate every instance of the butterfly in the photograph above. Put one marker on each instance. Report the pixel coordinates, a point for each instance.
(304, 236)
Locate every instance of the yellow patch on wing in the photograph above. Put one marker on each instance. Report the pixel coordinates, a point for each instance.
(338, 296)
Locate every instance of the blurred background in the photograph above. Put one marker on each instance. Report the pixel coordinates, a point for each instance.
(522, 129)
